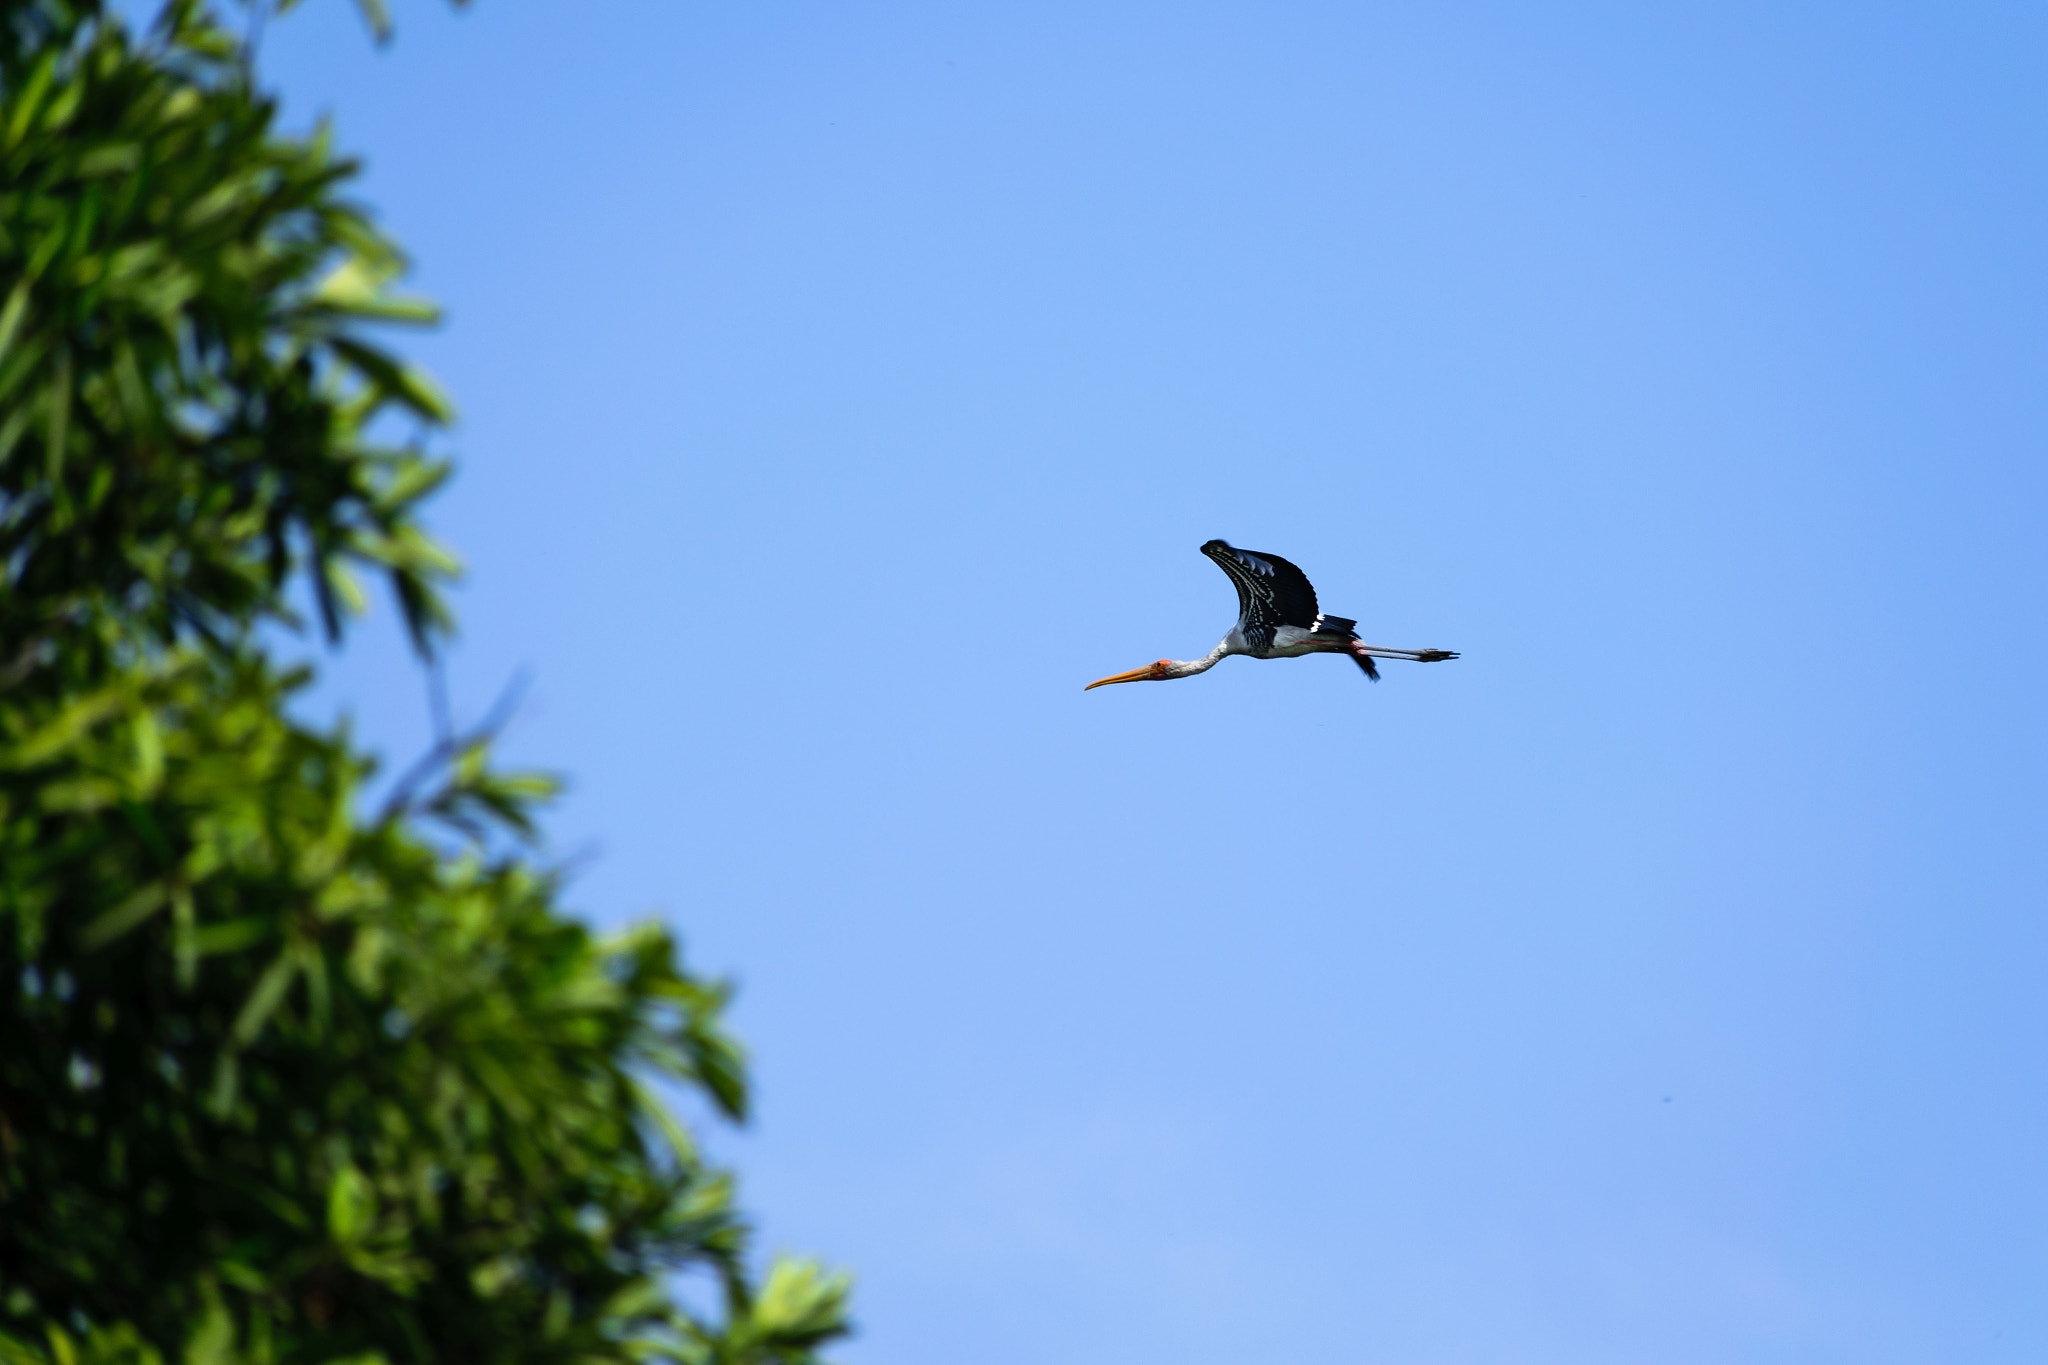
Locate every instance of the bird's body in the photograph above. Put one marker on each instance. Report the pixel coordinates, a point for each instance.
(1277, 618)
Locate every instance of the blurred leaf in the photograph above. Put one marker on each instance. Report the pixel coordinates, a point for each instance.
(357, 288)
(11, 315)
(125, 916)
(267, 995)
(377, 17)
(351, 1206)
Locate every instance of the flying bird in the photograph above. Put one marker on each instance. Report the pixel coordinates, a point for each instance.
(1277, 618)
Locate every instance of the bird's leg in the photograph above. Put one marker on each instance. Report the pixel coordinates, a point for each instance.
(1420, 656)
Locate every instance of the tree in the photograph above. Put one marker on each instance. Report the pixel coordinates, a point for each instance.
(283, 1079)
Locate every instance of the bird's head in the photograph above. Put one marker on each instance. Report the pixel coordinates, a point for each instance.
(1152, 672)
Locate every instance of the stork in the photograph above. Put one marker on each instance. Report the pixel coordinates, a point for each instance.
(1277, 618)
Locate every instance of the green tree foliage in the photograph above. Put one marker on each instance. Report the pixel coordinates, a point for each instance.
(283, 1079)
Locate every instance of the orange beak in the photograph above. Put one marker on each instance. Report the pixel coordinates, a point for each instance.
(1135, 675)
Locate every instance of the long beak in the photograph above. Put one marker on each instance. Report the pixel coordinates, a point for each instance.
(1135, 675)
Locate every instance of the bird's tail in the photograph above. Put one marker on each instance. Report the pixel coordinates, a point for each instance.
(1364, 661)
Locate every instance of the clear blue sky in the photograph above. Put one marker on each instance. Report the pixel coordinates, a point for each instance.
(844, 385)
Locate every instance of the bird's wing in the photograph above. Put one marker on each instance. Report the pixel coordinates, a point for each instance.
(1270, 592)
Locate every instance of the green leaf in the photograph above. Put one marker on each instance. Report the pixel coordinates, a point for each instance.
(377, 17)
(356, 288)
(28, 97)
(11, 315)
(110, 925)
(800, 1306)
(351, 1206)
(404, 384)
(265, 998)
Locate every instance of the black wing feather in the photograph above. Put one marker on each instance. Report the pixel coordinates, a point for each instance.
(1270, 592)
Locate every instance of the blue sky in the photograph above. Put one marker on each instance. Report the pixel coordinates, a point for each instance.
(844, 385)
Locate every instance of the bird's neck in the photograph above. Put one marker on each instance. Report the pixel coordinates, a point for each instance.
(1190, 667)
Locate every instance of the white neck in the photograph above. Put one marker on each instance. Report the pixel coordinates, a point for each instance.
(1189, 667)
